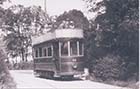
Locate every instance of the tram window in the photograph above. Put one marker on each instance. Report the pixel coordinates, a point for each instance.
(40, 52)
(80, 48)
(64, 49)
(49, 51)
(73, 48)
(44, 52)
(36, 53)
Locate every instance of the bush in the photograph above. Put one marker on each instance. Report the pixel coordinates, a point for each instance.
(23, 65)
(6, 81)
(26, 65)
(108, 68)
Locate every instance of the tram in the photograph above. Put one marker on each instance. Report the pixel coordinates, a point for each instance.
(59, 53)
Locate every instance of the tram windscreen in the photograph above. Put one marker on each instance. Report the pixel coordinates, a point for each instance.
(64, 49)
(73, 48)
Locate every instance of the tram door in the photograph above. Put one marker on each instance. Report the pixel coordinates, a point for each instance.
(64, 53)
(56, 56)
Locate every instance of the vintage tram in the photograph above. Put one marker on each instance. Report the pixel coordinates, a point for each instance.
(59, 53)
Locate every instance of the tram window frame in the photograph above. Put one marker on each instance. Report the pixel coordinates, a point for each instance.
(81, 53)
(72, 49)
(51, 47)
(47, 52)
(36, 51)
(40, 52)
(61, 50)
(44, 52)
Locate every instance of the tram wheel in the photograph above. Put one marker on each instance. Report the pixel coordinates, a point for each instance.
(49, 74)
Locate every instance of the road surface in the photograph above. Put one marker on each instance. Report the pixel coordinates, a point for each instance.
(26, 80)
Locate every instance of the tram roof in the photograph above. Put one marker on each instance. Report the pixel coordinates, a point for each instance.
(58, 33)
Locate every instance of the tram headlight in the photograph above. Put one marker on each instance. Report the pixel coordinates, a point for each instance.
(74, 66)
(74, 60)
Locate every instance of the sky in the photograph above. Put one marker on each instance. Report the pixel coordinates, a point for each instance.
(54, 7)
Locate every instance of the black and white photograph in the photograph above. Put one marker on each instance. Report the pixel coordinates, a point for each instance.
(69, 44)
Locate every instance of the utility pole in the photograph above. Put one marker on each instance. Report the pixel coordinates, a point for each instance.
(45, 6)
(46, 14)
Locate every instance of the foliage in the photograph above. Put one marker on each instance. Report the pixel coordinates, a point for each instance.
(6, 81)
(115, 32)
(2, 1)
(17, 26)
(22, 65)
(21, 24)
(108, 67)
(72, 19)
(40, 21)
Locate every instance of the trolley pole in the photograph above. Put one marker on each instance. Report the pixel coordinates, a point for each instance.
(45, 8)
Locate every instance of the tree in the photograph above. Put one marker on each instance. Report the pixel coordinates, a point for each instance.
(20, 25)
(71, 19)
(17, 25)
(6, 82)
(117, 30)
(40, 21)
(2, 1)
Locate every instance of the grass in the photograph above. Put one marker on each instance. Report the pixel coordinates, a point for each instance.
(131, 83)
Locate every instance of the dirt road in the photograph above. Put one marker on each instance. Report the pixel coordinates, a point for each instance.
(26, 80)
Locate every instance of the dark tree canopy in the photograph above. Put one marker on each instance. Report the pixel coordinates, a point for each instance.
(72, 19)
(116, 32)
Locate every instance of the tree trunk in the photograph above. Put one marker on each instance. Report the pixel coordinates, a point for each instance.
(22, 55)
(26, 57)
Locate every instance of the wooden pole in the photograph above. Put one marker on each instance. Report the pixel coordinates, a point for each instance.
(45, 6)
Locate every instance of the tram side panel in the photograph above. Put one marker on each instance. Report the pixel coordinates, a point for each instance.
(43, 62)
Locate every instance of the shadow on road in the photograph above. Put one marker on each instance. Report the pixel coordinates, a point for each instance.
(62, 79)
(67, 79)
